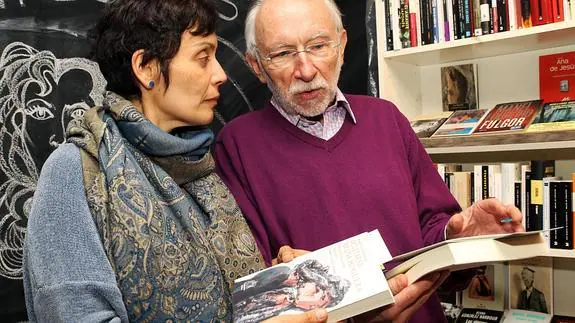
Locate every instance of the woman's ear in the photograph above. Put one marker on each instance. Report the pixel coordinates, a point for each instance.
(148, 75)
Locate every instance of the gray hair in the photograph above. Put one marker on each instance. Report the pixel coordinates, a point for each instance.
(250, 28)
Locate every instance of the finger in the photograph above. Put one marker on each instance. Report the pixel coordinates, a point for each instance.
(516, 217)
(405, 315)
(410, 294)
(314, 316)
(397, 283)
(455, 225)
(285, 254)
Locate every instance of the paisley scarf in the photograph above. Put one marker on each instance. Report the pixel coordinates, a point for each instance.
(170, 228)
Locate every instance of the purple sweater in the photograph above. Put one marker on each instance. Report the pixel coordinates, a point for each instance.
(299, 190)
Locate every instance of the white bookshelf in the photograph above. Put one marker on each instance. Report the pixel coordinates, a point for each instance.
(560, 253)
(507, 70)
(507, 65)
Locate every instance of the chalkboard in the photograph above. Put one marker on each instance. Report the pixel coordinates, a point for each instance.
(45, 81)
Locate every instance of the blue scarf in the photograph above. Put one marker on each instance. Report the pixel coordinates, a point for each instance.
(171, 229)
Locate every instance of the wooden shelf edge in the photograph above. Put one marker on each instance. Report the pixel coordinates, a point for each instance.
(502, 147)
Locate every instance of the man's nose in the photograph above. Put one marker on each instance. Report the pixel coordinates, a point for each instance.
(304, 67)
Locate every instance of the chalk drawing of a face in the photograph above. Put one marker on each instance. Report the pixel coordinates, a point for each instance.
(39, 95)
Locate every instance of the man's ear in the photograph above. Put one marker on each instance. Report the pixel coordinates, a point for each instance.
(343, 42)
(148, 75)
(254, 64)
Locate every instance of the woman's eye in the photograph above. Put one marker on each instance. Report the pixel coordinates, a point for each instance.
(39, 110)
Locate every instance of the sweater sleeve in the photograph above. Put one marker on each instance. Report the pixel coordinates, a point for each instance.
(67, 276)
(435, 203)
(229, 167)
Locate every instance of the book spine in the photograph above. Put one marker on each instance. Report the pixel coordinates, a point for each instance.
(539, 170)
(388, 25)
(517, 194)
(485, 16)
(502, 15)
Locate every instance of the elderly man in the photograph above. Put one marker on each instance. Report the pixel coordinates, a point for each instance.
(316, 166)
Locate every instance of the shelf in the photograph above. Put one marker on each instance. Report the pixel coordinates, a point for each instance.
(501, 147)
(561, 253)
(503, 43)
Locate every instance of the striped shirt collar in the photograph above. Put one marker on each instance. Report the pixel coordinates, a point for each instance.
(295, 119)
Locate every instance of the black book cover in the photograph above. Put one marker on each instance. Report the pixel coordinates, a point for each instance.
(476, 315)
(539, 169)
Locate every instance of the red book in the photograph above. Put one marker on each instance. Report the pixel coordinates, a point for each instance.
(557, 77)
(547, 10)
(557, 10)
(536, 13)
(509, 116)
(412, 29)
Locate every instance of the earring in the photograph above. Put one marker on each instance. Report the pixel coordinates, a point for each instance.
(151, 84)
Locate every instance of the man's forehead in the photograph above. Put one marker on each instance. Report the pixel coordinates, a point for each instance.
(284, 21)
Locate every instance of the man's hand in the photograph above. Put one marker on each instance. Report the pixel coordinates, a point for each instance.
(408, 298)
(314, 316)
(287, 254)
(485, 217)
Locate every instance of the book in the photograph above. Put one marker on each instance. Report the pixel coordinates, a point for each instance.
(522, 316)
(563, 286)
(531, 285)
(554, 116)
(461, 122)
(346, 278)
(468, 252)
(425, 126)
(459, 84)
(487, 288)
(557, 77)
(510, 116)
(474, 315)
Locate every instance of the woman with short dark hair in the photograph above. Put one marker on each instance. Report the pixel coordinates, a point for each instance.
(129, 221)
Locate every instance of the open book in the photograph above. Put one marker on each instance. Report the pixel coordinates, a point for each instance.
(469, 252)
(346, 278)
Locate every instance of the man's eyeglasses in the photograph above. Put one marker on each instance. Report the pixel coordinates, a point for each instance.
(285, 57)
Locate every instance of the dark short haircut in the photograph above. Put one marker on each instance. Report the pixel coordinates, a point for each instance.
(156, 26)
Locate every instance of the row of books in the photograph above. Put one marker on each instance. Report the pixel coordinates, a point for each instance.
(411, 23)
(544, 199)
(530, 116)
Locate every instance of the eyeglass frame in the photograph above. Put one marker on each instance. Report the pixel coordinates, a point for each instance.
(293, 53)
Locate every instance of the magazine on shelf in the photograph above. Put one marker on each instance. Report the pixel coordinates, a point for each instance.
(510, 116)
(424, 126)
(555, 116)
(460, 123)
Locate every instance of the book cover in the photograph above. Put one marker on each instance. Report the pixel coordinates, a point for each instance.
(345, 278)
(473, 315)
(554, 116)
(461, 122)
(425, 126)
(459, 84)
(486, 289)
(557, 77)
(469, 252)
(523, 316)
(511, 116)
(531, 285)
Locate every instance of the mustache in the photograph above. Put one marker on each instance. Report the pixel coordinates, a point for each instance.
(301, 86)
